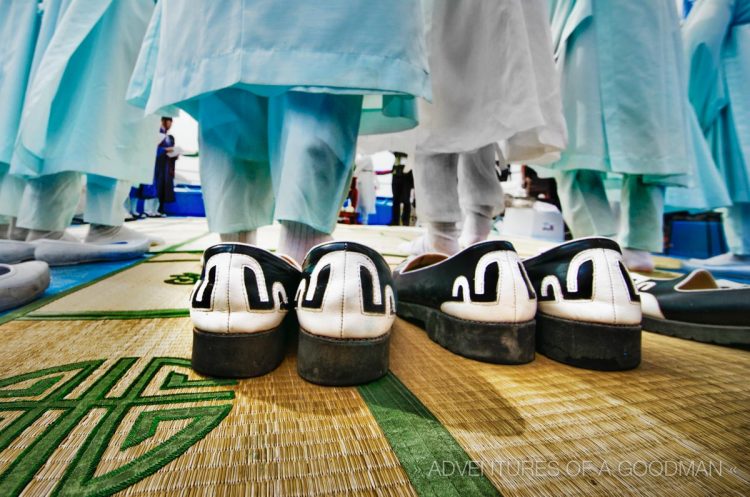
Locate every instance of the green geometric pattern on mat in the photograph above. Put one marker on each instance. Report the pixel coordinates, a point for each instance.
(421, 443)
(79, 477)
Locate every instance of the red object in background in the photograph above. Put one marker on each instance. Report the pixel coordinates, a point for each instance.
(350, 217)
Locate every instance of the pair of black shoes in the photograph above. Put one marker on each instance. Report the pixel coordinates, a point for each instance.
(339, 305)
(575, 304)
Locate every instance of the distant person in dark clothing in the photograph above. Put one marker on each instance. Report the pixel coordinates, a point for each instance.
(402, 184)
(161, 191)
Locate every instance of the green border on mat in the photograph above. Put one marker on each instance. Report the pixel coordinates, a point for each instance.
(174, 249)
(434, 461)
(94, 315)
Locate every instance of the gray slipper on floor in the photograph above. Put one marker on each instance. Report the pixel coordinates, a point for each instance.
(64, 253)
(22, 283)
(13, 252)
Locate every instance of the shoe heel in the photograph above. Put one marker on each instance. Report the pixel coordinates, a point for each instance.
(236, 355)
(341, 362)
(589, 345)
(499, 343)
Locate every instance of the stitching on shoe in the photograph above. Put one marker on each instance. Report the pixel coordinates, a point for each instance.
(343, 297)
(361, 291)
(611, 287)
(213, 290)
(609, 325)
(229, 286)
(513, 284)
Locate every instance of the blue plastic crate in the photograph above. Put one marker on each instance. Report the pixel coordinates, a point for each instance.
(383, 210)
(188, 202)
(698, 239)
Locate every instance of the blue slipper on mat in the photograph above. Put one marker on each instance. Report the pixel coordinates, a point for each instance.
(697, 307)
(22, 283)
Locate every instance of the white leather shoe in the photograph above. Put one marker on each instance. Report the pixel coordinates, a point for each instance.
(240, 310)
(22, 283)
(478, 303)
(589, 311)
(346, 306)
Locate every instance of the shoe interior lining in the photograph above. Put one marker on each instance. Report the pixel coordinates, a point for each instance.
(698, 280)
(423, 261)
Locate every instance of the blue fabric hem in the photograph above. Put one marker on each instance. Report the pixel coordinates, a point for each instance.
(365, 74)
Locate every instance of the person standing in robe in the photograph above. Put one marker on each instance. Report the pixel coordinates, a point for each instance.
(19, 29)
(624, 95)
(366, 184)
(402, 184)
(495, 97)
(278, 89)
(85, 52)
(157, 194)
(717, 44)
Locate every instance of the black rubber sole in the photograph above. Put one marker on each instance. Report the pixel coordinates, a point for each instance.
(706, 333)
(341, 362)
(588, 345)
(498, 343)
(239, 355)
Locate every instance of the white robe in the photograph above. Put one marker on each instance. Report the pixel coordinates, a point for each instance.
(493, 80)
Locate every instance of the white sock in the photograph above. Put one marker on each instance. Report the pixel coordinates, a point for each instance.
(16, 233)
(103, 233)
(476, 228)
(297, 239)
(151, 206)
(50, 235)
(443, 238)
(249, 237)
(640, 261)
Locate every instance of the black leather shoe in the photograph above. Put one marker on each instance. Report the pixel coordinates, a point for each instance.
(697, 307)
(240, 310)
(478, 303)
(589, 311)
(346, 307)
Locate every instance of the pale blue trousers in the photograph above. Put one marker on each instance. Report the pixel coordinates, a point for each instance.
(48, 203)
(587, 212)
(287, 157)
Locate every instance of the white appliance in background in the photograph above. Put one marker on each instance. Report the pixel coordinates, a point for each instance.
(541, 221)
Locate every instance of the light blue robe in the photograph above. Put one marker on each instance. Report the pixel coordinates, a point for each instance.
(717, 45)
(275, 86)
(19, 26)
(75, 117)
(195, 49)
(623, 88)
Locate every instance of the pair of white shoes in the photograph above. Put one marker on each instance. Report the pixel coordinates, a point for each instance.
(338, 306)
